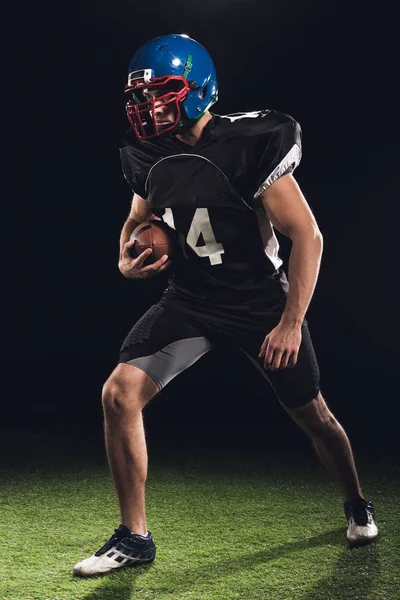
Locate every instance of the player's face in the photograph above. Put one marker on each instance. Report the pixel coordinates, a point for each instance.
(164, 112)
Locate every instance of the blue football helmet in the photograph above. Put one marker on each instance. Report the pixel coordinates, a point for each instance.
(182, 72)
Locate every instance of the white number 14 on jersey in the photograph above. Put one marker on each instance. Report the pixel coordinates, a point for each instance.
(200, 227)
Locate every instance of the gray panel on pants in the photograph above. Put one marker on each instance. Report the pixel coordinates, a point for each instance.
(171, 360)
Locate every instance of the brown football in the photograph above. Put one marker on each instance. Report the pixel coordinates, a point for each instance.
(157, 236)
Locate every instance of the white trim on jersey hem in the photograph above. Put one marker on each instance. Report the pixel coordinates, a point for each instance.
(197, 156)
(292, 157)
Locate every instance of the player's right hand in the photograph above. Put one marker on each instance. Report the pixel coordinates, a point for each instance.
(133, 268)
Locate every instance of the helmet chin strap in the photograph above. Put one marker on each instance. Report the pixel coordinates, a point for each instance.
(184, 125)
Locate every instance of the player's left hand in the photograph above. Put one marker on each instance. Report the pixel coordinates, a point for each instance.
(281, 347)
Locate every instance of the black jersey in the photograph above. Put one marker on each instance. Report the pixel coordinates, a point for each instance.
(209, 194)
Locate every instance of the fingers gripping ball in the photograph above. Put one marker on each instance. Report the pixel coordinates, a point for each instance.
(157, 236)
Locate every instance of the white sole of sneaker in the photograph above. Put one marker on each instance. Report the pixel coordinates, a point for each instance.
(358, 534)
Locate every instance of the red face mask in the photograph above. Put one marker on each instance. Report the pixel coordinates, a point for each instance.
(141, 111)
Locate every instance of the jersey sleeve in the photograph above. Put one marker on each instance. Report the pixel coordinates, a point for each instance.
(277, 150)
(132, 171)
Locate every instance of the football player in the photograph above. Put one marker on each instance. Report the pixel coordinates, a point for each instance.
(223, 184)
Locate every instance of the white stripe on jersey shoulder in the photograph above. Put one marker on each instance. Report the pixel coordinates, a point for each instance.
(292, 158)
(198, 156)
(252, 115)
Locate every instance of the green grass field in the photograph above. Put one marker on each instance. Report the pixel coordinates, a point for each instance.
(228, 525)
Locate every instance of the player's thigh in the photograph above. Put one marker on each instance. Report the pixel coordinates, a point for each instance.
(163, 343)
(294, 386)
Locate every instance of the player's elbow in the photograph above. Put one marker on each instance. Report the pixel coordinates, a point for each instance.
(309, 231)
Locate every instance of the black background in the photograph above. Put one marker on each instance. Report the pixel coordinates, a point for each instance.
(67, 309)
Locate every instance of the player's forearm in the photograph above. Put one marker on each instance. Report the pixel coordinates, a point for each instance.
(304, 265)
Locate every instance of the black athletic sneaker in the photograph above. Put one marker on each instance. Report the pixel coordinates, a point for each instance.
(361, 524)
(122, 549)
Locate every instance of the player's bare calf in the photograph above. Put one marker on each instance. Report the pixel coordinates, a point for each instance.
(333, 448)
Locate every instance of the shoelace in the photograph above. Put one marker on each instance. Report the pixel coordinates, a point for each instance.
(116, 537)
(360, 512)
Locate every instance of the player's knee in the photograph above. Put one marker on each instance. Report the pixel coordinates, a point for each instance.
(119, 395)
(314, 417)
(109, 396)
(320, 424)
(127, 389)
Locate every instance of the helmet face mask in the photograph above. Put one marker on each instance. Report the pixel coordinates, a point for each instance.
(174, 72)
(141, 109)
